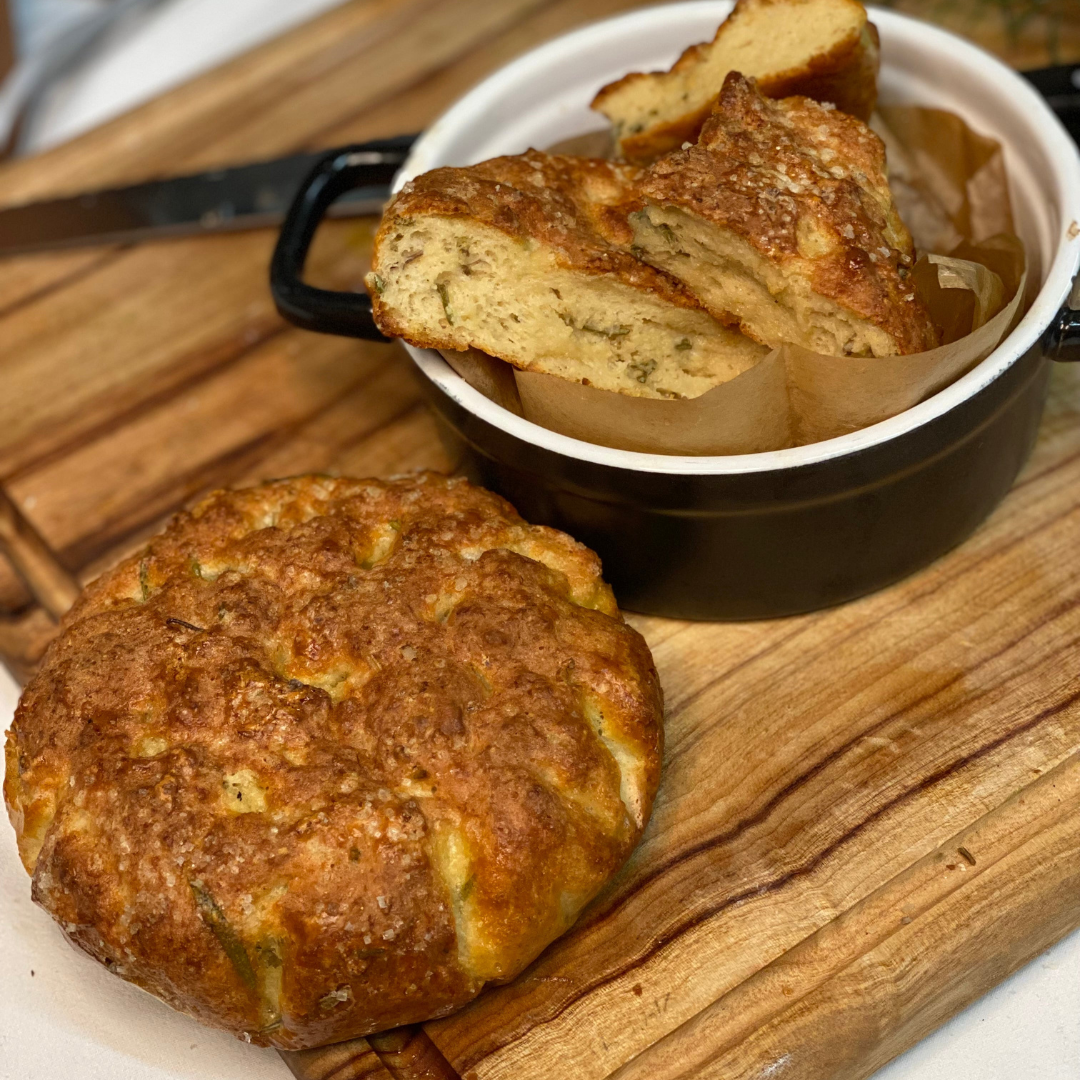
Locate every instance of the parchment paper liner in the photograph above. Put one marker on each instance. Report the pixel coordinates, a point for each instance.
(951, 188)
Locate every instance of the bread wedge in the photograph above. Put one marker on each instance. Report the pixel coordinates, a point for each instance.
(781, 221)
(527, 258)
(822, 49)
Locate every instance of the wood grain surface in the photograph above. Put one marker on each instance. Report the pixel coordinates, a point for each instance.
(869, 815)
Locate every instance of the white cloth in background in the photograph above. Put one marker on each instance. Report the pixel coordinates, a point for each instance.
(37, 20)
(146, 53)
(55, 37)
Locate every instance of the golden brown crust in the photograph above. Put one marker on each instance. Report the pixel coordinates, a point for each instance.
(251, 749)
(844, 75)
(780, 173)
(576, 207)
(846, 78)
(644, 147)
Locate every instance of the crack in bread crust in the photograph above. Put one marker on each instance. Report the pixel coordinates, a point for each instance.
(245, 751)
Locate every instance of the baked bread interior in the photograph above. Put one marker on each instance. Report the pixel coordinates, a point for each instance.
(528, 259)
(330, 754)
(780, 218)
(822, 49)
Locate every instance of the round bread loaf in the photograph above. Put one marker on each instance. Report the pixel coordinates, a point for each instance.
(330, 754)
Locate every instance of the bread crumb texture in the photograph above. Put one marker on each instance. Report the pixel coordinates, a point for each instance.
(330, 754)
(780, 218)
(530, 259)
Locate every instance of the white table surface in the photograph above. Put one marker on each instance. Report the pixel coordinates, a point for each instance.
(62, 1017)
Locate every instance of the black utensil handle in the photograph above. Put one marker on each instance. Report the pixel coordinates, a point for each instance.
(327, 312)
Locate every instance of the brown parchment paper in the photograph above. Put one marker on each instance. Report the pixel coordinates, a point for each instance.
(951, 189)
(949, 182)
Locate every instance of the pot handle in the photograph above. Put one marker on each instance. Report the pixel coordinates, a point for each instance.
(324, 311)
(1062, 339)
(1059, 85)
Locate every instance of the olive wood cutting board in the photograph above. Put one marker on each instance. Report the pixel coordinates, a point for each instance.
(869, 816)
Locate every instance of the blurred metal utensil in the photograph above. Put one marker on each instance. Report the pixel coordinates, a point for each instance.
(245, 197)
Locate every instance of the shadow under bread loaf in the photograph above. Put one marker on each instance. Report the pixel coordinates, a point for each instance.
(780, 219)
(528, 258)
(330, 754)
(822, 49)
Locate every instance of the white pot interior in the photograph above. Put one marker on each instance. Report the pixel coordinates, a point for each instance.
(543, 97)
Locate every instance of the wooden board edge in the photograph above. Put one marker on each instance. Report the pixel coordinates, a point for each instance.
(963, 874)
(405, 1053)
(353, 1060)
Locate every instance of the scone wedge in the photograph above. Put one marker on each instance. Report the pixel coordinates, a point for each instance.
(528, 258)
(823, 49)
(780, 219)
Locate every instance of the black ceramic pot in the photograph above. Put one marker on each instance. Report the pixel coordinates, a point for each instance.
(761, 544)
(755, 535)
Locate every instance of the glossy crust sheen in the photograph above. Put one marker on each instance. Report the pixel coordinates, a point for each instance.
(331, 753)
(804, 185)
(576, 207)
(844, 74)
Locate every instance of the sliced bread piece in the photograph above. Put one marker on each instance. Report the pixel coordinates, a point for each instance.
(780, 219)
(527, 258)
(821, 49)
